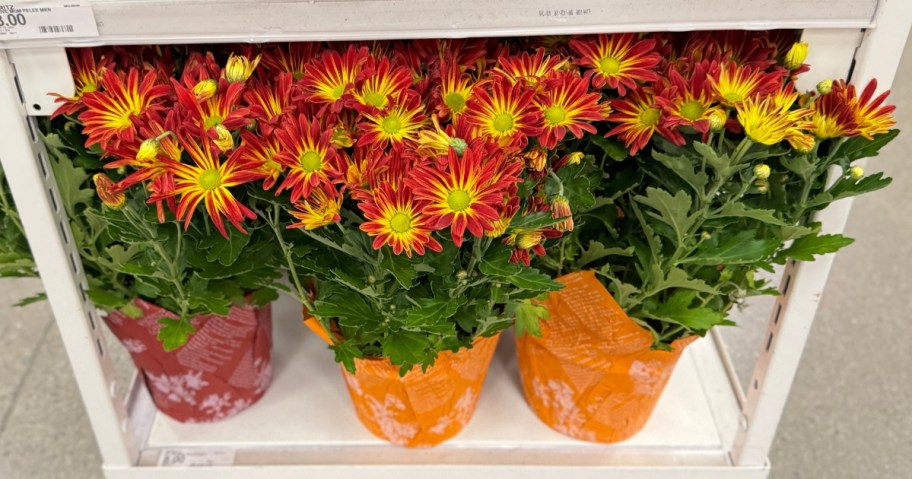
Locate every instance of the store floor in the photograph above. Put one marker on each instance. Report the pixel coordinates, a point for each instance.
(848, 415)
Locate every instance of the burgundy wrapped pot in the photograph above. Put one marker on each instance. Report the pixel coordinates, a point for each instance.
(224, 368)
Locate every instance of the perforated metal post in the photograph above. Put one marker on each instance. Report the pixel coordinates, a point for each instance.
(34, 190)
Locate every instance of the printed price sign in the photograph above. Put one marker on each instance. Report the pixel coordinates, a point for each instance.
(196, 457)
(38, 20)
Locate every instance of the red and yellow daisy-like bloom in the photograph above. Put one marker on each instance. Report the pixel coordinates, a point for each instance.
(112, 114)
(207, 181)
(507, 113)
(638, 117)
(769, 120)
(619, 60)
(437, 142)
(689, 102)
(567, 105)
(149, 158)
(260, 152)
(86, 76)
(734, 83)
(317, 210)
(291, 58)
(455, 90)
(269, 101)
(330, 76)
(382, 83)
(871, 116)
(530, 69)
(309, 156)
(467, 193)
(394, 218)
(223, 108)
(397, 124)
(832, 117)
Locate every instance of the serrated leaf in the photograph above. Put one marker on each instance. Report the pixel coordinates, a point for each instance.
(677, 310)
(684, 168)
(737, 209)
(174, 333)
(671, 210)
(861, 147)
(497, 262)
(345, 354)
(263, 296)
(120, 255)
(432, 316)
(741, 248)
(405, 349)
(806, 247)
(105, 299)
(597, 251)
(614, 149)
(533, 221)
(847, 187)
(528, 318)
(678, 278)
(343, 306)
(225, 251)
(800, 165)
(37, 298)
(533, 280)
(132, 311)
(722, 164)
(70, 185)
(400, 266)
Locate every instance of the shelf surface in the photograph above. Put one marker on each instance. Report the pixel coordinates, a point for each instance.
(183, 21)
(306, 417)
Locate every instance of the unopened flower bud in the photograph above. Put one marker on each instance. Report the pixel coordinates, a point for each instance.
(717, 120)
(148, 150)
(536, 160)
(371, 279)
(462, 275)
(341, 137)
(111, 195)
(392, 307)
(824, 87)
(224, 141)
(205, 89)
(796, 55)
(458, 145)
(856, 172)
(575, 158)
(762, 186)
(239, 68)
(705, 235)
(560, 208)
(500, 226)
(529, 239)
(762, 171)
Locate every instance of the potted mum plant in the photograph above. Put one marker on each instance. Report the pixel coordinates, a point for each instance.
(188, 299)
(416, 180)
(726, 163)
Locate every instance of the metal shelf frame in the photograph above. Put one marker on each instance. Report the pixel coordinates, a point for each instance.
(856, 39)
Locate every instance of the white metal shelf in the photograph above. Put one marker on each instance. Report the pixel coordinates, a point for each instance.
(182, 21)
(704, 426)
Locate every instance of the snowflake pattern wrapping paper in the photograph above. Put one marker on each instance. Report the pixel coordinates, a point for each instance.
(420, 409)
(592, 375)
(224, 368)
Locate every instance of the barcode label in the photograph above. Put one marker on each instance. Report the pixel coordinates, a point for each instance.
(56, 28)
(48, 19)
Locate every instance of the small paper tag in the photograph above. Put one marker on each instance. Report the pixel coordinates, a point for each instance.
(39, 20)
(193, 457)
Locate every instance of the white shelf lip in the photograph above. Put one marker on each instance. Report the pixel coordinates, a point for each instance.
(185, 21)
(306, 419)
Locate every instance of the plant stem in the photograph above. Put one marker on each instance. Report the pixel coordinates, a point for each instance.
(560, 184)
(289, 261)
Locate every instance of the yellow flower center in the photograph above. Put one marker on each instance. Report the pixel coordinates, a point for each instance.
(297, 75)
(649, 117)
(311, 161)
(733, 96)
(503, 122)
(609, 65)
(555, 114)
(455, 101)
(391, 125)
(692, 110)
(458, 200)
(210, 180)
(337, 92)
(212, 121)
(400, 223)
(88, 88)
(374, 99)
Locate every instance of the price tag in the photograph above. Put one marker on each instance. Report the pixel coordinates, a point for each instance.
(188, 457)
(39, 20)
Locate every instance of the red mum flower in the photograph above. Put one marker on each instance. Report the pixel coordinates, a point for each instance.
(382, 83)
(268, 101)
(86, 76)
(567, 105)
(291, 58)
(260, 152)
(871, 118)
(395, 218)
(308, 154)
(638, 117)
(397, 124)
(223, 108)
(113, 113)
(528, 69)
(618, 60)
(330, 76)
(689, 102)
(506, 113)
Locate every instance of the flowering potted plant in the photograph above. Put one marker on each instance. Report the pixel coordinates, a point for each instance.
(726, 163)
(418, 187)
(188, 300)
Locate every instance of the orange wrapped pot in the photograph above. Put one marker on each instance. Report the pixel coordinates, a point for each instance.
(421, 409)
(592, 374)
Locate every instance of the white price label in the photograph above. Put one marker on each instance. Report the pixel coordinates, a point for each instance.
(37, 20)
(196, 457)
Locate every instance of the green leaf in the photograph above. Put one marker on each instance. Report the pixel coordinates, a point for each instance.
(132, 311)
(861, 147)
(671, 210)
(432, 316)
(528, 318)
(343, 306)
(263, 296)
(741, 248)
(721, 164)
(597, 251)
(70, 181)
(120, 255)
(31, 300)
(846, 187)
(787, 233)
(174, 333)
(806, 247)
(209, 302)
(497, 262)
(533, 221)
(678, 278)
(400, 266)
(677, 310)
(800, 165)
(105, 299)
(737, 209)
(532, 280)
(614, 149)
(405, 348)
(684, 167)
(225, 251)
(345, 354)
